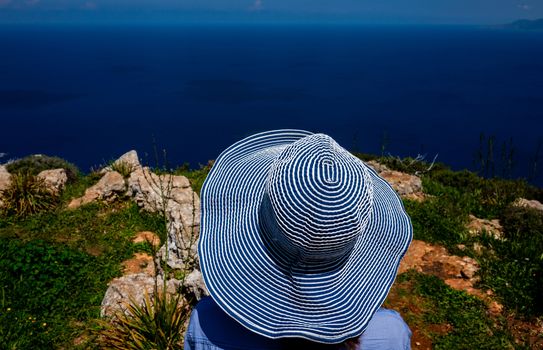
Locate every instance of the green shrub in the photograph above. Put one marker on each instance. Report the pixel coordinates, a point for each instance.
(467, 202)
(457, 179)
(27, 194)
(123, 168)
(34, 164)
(515, 270)
(524, 226)
(95, 228)
(438, 220)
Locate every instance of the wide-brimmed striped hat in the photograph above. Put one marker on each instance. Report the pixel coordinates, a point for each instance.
(298, 237)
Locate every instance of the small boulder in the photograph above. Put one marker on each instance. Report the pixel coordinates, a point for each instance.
(378, 167)
(406, 185)
(108, 188)
(5, 181)
(54, 179)
(525, 203)
(129, 160)
(493, 227)
(121, 290)
(194, 285)
(148, 189)
(478, 248)
(132, 288)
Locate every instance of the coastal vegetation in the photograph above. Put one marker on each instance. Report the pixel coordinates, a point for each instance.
(34, 164)
(55, 263)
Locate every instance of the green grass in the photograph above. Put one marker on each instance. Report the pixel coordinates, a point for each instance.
(55, 266)
(512, 268)
(95, 228)
(47, 290)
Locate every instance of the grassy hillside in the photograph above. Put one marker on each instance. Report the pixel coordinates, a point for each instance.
(55, 264)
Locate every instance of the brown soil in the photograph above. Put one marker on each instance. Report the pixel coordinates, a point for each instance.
(95, 250)
(139, 263)
(147, 236)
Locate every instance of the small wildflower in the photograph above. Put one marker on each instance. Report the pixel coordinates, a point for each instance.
(44, 324)
(9, 309)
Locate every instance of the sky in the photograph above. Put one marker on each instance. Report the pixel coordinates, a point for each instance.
(359, 11)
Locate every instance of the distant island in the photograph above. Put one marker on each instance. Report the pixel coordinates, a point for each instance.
(526, 24)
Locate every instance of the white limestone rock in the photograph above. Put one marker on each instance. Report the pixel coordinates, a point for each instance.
(54, 179)
(110, 186)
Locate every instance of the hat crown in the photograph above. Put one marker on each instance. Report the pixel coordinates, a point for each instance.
(320, 197)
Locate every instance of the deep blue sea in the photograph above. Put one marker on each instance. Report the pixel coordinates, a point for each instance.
(90, 93)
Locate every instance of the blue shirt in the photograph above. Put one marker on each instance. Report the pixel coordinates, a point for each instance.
(211, 329)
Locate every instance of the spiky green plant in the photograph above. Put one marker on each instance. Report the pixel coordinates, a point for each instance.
(158, 324)
(27, 194)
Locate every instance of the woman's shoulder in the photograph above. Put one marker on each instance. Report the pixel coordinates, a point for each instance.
(386, 330)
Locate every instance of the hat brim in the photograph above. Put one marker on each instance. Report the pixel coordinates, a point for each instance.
(245, 280)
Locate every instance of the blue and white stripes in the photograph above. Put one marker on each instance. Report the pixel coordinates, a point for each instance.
(298, 237)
